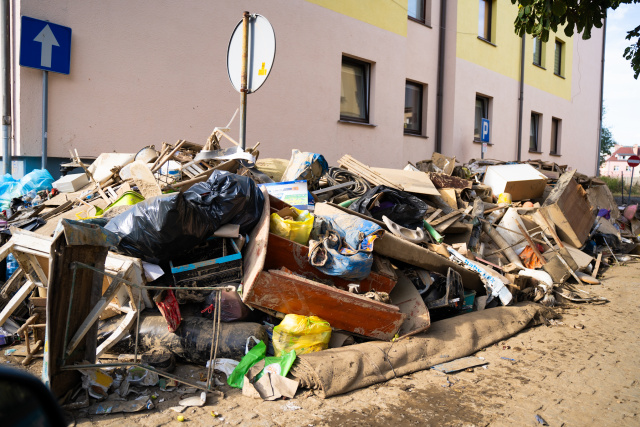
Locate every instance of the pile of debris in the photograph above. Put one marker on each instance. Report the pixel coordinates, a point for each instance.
(270, 271)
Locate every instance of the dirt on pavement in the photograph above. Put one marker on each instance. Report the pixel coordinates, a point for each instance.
(580, 370)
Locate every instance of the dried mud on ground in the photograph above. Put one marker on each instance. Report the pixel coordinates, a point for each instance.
(581, 372)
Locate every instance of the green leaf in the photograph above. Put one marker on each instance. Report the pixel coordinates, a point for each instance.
(527, 10)
(559, 8)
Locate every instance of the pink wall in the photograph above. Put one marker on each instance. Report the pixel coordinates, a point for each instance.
(147, 72)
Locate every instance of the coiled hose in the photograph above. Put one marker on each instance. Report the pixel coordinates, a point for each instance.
(337, 176)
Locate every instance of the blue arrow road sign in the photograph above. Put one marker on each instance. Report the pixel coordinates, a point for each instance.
(484, 134)
(45, 46)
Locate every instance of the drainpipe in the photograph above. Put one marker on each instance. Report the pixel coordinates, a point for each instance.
(6, 85)
(443, 19)
(604, 38)
(521, 100)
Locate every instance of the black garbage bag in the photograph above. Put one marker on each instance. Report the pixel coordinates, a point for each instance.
(159, 228)
(400, 207)
(228, 198)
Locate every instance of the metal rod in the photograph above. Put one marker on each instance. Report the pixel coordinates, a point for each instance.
(5, 28)
(139, 309)
(243, 80)
(440, 81)
(45, 112)
(521, 99)
(631, 184)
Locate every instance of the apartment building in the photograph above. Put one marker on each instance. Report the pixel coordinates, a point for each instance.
(388, 81)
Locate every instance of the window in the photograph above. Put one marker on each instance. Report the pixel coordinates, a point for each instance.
(354, 97)
(628, 168)
(537, 51)
(417, 9)
(616, 168)
(557, 63)
(534, 134)
(556, 128)
(413, 108)
(482, 112)
(484, 20)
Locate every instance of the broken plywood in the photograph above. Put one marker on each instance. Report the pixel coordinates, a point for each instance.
(291, 294)
(410, 181)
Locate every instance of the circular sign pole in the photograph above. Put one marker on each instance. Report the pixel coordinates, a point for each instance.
(632, 161)
(243, 81)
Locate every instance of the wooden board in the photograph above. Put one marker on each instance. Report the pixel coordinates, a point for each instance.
(409, 301)
(290, 294)
(256, 250)
(449, 196)
(600, 197)
(568, 208)
(396, 248)
(144, 179)
(294, 256)
(411, 181)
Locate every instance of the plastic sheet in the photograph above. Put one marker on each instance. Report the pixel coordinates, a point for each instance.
(306, 166)
(160, 227)
(296, 229)
(36, 180)
(302, 334)
(400, 207)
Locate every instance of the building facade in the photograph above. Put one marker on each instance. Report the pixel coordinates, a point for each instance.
(387, 81)
(616, 164)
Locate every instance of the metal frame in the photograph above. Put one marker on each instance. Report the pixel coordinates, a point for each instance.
(214, 340)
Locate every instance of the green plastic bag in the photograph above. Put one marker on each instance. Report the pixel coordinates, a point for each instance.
(278, 365)
(256, 354)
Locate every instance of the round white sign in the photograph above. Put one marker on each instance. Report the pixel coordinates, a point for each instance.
(261, 47)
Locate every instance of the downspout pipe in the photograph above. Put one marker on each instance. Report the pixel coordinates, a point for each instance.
(6, 85)
(440, 94)
(521, 100)
(604, 39)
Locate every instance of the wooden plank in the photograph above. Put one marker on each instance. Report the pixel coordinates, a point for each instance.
(396, 248)
(256, 250)
(122, 329)
(351, 164)
(59, 209)
(450, 197)
(86, 293)
(441, 180)
(294, 256)
(445, 218)
(15, 301)
(94, 314)
(288, 293)
(597, 267)
(434, 216)
(410, 181)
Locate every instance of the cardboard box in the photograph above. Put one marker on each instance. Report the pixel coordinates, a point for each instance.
(521, 181)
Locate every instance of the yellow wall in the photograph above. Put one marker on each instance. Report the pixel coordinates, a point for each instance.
(389, 15)
(503, 56)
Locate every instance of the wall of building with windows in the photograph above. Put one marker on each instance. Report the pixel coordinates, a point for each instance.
(350, 76)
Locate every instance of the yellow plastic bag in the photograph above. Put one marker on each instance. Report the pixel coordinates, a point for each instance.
(296, 229)
(302, 334)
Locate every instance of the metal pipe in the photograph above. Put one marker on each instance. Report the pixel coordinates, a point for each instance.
(521, 100)
(440, 95)
(6, 85)
(243, 80)
(45, 112)
(604, 39)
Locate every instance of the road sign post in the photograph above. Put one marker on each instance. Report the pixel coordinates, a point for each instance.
(484, 136)
(250, 56)
(632, 161)
(47, 47)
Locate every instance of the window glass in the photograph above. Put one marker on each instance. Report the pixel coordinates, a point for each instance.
(416, 9)
(557, 65)
(413, 108)
(537, 51)
(354, 97)
(484, 20)
(555, 136)
(482, 112)
(533, 139)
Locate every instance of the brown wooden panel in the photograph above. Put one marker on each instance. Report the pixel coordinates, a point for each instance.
(282, 252)
(291, 294)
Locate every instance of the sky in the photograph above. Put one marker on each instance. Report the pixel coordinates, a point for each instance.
(621, 90)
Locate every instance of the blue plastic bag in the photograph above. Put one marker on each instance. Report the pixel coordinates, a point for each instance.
(36, 180)
(345, 246)
(305, 166)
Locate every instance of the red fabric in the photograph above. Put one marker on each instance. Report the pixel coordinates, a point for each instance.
(170, 310)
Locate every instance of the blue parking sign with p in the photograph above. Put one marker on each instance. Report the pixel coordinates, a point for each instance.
(484, 133)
